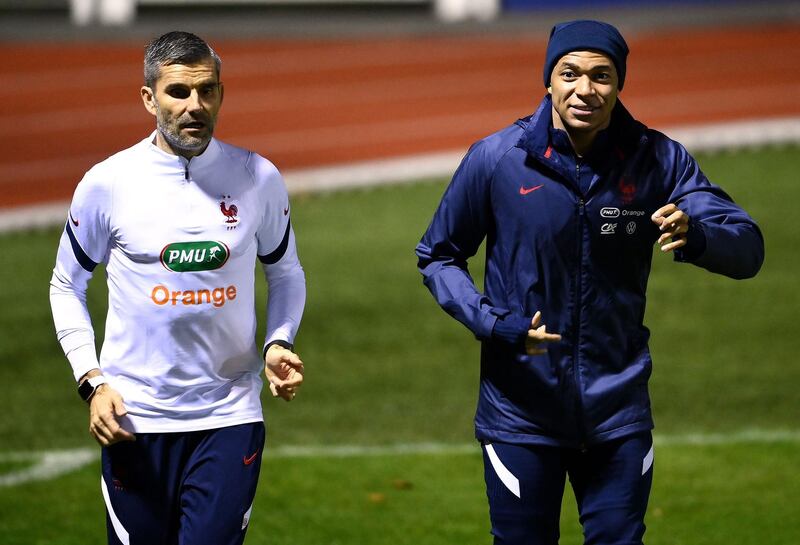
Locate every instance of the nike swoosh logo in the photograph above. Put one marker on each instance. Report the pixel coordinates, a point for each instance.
(73, 220)
(250, 459)
(525, 190)
(285, 211)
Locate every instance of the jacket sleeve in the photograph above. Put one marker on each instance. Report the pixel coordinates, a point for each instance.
(454, 235)
(277, 253)
(287, 293)
(722, 237)
(84, 244)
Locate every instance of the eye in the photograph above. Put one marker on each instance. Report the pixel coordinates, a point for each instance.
(568, 74)
(209, 90)
(178, 92)
(602, 77)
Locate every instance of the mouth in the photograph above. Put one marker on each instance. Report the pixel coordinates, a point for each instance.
(194, 125)
(582, 110)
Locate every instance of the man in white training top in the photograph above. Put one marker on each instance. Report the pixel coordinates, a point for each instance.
(179, 220)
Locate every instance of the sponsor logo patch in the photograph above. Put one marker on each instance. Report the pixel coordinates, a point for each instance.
(202, 255)
(609, 212)
(162, 295)
(631, 227)
(608, 229)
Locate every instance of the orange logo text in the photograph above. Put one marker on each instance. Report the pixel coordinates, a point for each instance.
(162, 295)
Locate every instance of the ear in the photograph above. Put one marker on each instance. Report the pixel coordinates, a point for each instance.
(550, 89)
(221, 92)
(149, 99)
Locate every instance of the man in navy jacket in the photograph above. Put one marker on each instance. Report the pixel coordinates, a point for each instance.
(571, 201)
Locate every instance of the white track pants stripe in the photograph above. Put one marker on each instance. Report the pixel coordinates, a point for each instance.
(246, 518)
(508, 478)
(647, 462)
(119, 529)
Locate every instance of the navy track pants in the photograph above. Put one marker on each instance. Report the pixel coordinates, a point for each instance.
(193, 488)
(611, 482)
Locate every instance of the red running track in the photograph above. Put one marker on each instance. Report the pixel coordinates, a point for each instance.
(309, 103)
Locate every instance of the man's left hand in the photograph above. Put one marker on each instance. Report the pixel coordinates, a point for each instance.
(674, 224)
(284, 370)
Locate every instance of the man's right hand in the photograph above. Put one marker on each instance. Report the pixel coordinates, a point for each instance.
(105, 407)
(538, 336)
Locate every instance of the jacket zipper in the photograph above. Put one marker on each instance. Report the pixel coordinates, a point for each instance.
(577, 315)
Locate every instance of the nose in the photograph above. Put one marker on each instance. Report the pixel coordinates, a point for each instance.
(193, 102)
(584, 86)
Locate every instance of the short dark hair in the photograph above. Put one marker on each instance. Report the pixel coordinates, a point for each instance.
(176, 47)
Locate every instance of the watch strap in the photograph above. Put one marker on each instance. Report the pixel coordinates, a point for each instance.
(88, 387)
(285, 344)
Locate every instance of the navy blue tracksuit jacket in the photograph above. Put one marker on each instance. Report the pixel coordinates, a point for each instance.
(573, 239)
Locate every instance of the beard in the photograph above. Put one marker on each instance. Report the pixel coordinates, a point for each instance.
(180, 141)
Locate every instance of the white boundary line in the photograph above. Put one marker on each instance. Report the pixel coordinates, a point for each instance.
(50, 464)
(47, 464)
(702, 138)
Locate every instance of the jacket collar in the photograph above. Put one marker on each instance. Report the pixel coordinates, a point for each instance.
(168, 159)
(612, 145)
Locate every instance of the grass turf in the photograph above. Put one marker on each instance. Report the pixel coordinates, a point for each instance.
(702, 495)
(386, 365)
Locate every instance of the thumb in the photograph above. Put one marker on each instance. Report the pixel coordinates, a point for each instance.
(294, 360)
(289, 358)
(537, 318)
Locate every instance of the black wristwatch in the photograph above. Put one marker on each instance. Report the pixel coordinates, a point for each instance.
(284, 344)
(88, 387)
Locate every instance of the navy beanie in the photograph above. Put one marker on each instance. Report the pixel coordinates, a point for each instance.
(580, 36)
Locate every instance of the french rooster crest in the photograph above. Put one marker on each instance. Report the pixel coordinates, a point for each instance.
(230, 211)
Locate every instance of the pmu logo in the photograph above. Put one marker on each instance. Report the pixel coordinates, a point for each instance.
(203, 255)
(609, 212)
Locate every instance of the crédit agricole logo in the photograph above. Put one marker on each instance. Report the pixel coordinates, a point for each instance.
(201, 255)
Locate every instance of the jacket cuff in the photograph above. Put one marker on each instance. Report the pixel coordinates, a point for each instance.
(511, 329)
(82, 359)
(695, 243)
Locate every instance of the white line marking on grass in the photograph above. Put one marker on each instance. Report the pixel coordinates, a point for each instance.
(353, 451)
(397, 170)
(50, 464)
(730, 438)
(46, 465)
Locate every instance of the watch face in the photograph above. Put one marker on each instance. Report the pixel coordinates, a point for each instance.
(85, 390)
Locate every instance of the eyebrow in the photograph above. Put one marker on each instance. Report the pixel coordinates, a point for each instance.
(591, 69)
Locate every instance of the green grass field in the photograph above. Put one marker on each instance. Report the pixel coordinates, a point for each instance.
(385, 366)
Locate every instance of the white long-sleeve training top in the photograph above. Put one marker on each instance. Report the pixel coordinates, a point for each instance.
(179, 239)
